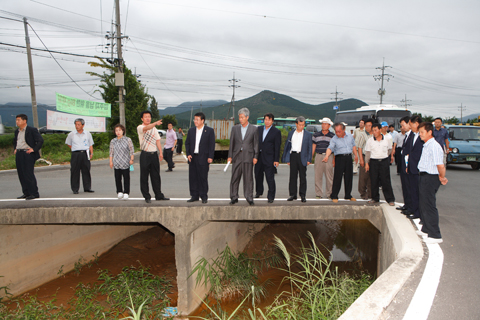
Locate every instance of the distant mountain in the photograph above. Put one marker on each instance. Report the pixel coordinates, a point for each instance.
(278, 104)
(187, 106)
(471, 116)
(9, 110)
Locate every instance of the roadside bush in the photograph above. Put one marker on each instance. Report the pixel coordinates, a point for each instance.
(6, 141)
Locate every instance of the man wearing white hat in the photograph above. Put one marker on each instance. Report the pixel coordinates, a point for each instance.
(321, 140)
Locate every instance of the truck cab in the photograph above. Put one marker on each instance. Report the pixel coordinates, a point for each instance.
(464, 145)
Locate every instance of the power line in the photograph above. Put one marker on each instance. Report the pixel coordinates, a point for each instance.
(46, 50)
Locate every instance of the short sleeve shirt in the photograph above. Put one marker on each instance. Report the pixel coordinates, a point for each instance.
(148, 139)
(378, 149)
(440, 136)
(342, 145)
(79, 141)
(432, 156)
(322, 141)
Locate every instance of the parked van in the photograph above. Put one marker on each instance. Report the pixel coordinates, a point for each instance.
(464, 145)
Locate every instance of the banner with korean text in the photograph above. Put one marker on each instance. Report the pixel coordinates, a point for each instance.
(65, 121)
(83, 107)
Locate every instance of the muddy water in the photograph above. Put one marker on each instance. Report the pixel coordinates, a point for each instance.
(353, 245)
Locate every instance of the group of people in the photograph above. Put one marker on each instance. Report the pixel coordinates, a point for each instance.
(419, 150)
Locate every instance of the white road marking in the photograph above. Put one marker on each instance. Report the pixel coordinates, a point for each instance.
(422, 300)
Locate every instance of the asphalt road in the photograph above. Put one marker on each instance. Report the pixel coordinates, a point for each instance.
(458, 293)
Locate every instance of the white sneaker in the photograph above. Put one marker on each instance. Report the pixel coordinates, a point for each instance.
(125, 196)
(120, 195)
(420, 233)
(429, 240)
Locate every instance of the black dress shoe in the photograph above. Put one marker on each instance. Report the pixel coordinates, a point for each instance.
(250, 202)
(234, 201)
(204, 201)
(257, 195)
(89, 191)
(401, 208)
(270, 200)
(148, 200)
(75, 192)
(22, 197)
(159, 199)
(30, 197)
(292, 198)
(168, 170)
(412, 216)
(407, 212)
(192, 199)
(304, 199)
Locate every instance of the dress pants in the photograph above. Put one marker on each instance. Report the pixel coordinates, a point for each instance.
(412, 185)
(364, 184)
(198, 178)
(179, 145)
(125, 174)
(321, 168)
(380, 173)
(25, 165)
(405, 190)
(150, 166)
(80, 163)
(240, 169)
(168, 156)
(398, 159)
(343, 168)
(268, 170)
(297, 169)
(428, 187)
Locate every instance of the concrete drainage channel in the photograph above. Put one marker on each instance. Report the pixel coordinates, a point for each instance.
(400, 250)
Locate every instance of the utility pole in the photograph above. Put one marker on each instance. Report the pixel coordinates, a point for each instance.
(381, 91)
(405, 102)
(30, 72)
(462, 108)
(120, 76)
(201, 109)
(191, 114)
(336, 93)
(232, 102)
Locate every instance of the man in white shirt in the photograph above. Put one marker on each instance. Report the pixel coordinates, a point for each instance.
(377, 155)
(149, 159)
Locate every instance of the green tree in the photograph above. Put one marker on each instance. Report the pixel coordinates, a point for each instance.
(154, 108)
(424, 118)
(168, 118)
(453, 120)
(136, 98)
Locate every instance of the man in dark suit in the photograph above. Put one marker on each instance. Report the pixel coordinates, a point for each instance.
(26, 144)
(269, 140)
(243, 154)
(200, 148)
(297, 153)
(407, 145)
(412, 166)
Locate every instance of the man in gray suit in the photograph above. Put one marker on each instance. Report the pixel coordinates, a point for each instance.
(243, 154)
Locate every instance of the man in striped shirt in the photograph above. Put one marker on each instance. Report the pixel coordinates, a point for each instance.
(432, 174)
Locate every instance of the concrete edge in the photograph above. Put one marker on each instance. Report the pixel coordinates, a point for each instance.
(409, 253)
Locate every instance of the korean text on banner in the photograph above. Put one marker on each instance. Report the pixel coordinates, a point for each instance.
(83, 107)
(65, 121)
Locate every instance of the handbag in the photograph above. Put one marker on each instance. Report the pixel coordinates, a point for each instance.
(131, 167)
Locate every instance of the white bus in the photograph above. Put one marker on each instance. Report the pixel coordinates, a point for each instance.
(381, 112)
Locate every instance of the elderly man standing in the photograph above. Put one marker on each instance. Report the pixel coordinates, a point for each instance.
(149, 158)
(356, 133)
(297, 153)
(342, 146)
(432, 174)
(26, 144)
(377, 161)
(321, 140)
(243, 154)
(81, 144)
(364, 185)
(169, 147)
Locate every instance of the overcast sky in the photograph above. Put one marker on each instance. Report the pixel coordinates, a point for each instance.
(188, 50)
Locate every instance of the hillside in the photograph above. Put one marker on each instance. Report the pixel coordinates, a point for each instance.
(187, 106)
(280, 105)
(10, 110)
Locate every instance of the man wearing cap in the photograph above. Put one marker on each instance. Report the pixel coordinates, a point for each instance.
(81, 144)
(321, 140)
(342, 146)
(356, 133)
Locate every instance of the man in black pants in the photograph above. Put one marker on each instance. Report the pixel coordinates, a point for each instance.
(269, 140)
(412, 167)
(297, 153)
(26, 145)
(200, 149)
(81, 144)
(377, 161)
(149, 159)
(342, 146)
